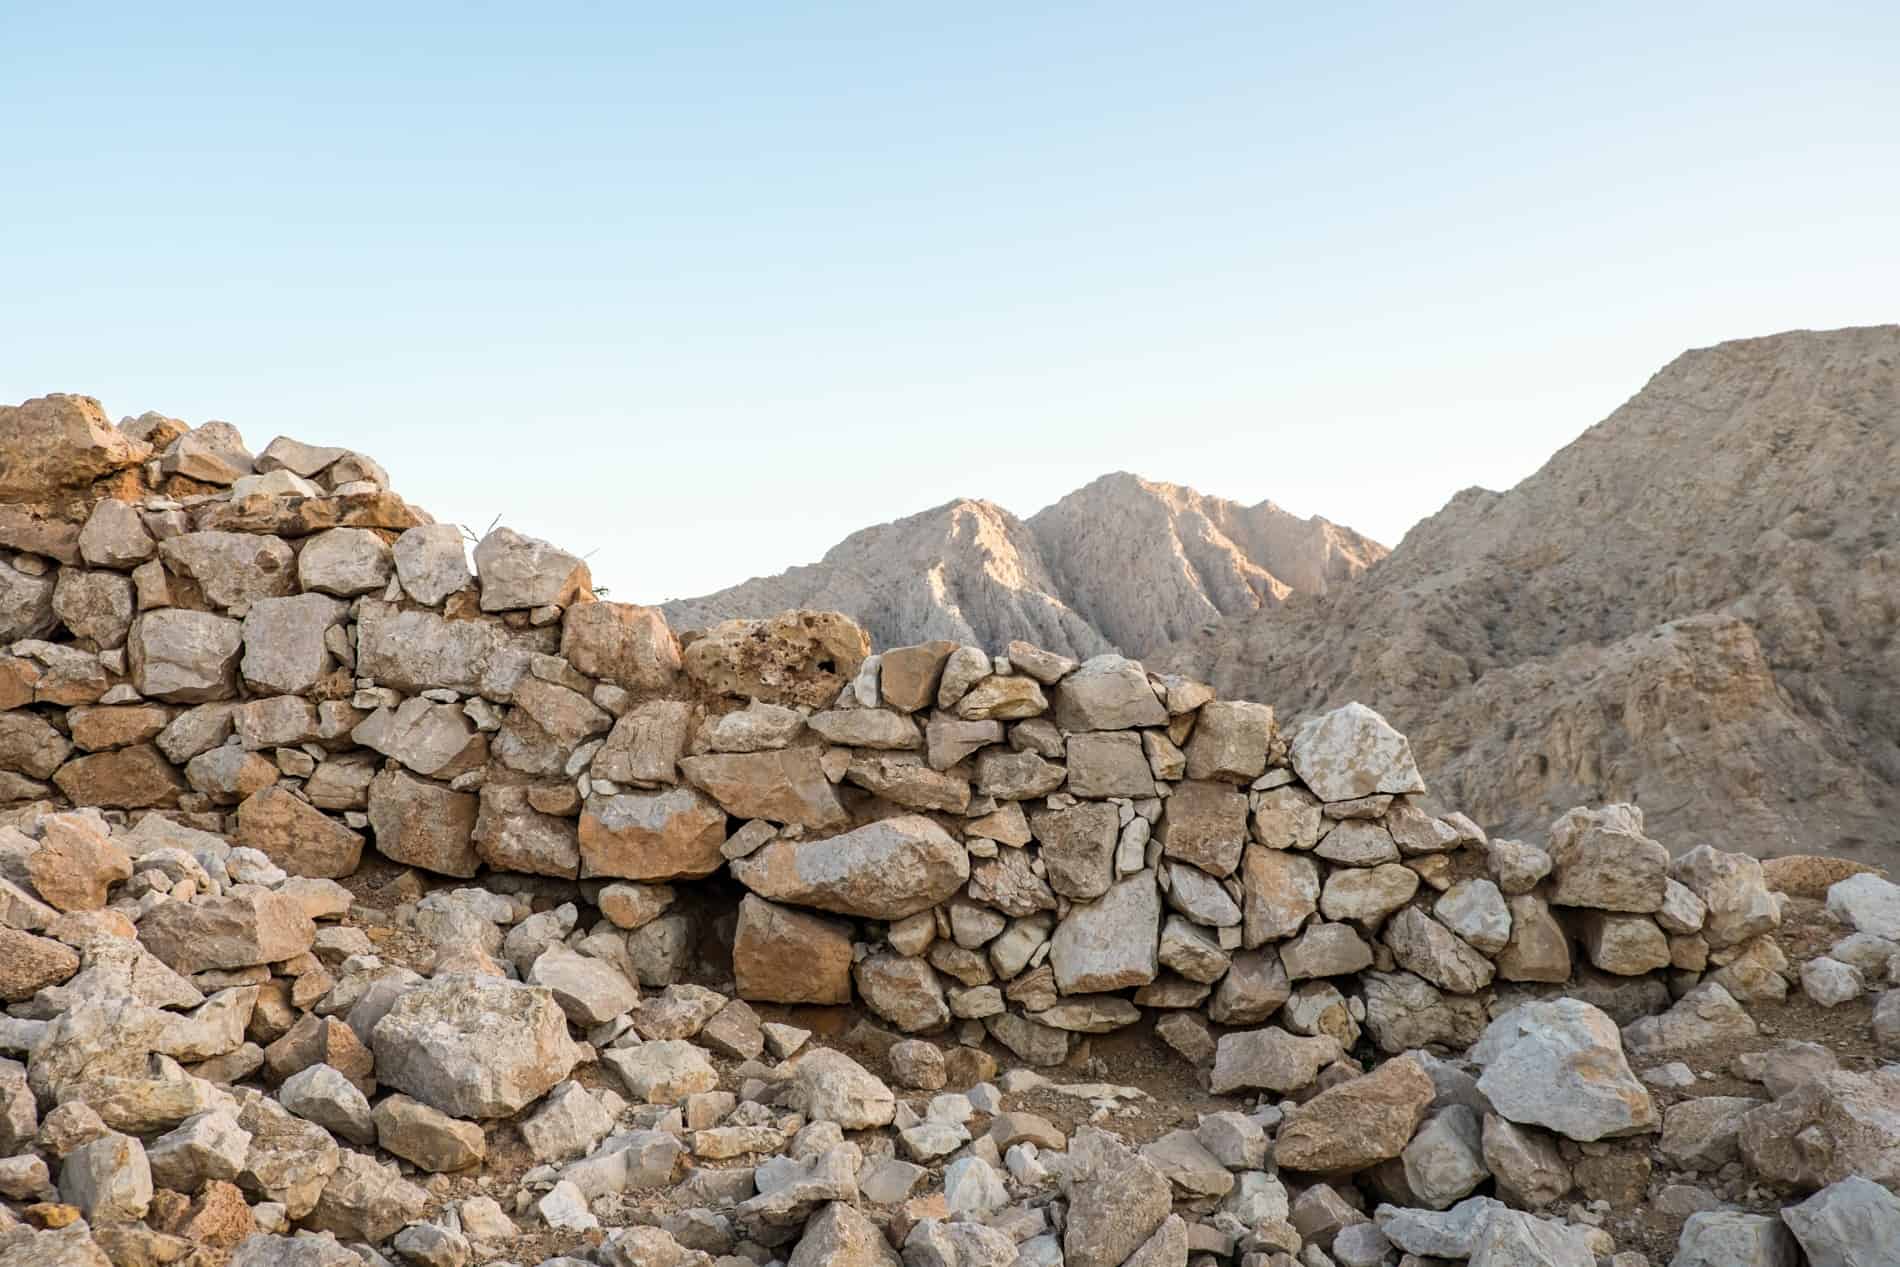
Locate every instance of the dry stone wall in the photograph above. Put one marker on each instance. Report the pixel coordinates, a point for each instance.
(279, 649)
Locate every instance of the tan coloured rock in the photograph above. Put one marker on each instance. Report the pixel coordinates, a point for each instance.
(1357, 1123)
(297, 836)
(1353, 752)
(237, 931)
(646, 744)
(1281, 891)
(511, 835)
(76, 864)
(782, 955)
(1204, 823)
(799, 657)
(909, 676)
(94, 605)
(1078, 847)
(28, 964)
(670, 835)
(422, 823)
(780, 785)
(1109, 944)
(883, 870)
(621, 643)
(1538, 949)
(1230, 741)
(1602, 859)
(286, 643)
(1108, 692)
(58, 442)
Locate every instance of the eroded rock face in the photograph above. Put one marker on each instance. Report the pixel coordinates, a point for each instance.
(884, 870)
(474, 1047)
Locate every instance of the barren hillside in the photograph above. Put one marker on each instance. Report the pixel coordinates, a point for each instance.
(1692, 606)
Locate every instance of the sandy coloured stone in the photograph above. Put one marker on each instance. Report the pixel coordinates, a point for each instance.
(1230, 741)
(1271, 1060)
(76, 864)
(1353, 752)
(1426, 947)
(29, 964)
(1367, 893)
(1538, 948)
(431, 562)
(785, 785)
(60, 441)
(235, 931)
(296, 835)
(1601, 858)
(474, 1047)
(884, 870)
(511, 835)
(782, 955)
(1204, 823)
(800, 657)
(1357, 1123)
(675, 834)
(232, 568)
(423, 823)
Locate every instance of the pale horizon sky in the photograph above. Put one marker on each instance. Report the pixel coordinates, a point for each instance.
(699, 292)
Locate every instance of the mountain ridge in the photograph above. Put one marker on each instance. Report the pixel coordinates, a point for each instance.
(1122, 563)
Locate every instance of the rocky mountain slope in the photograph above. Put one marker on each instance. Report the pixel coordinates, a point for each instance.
(1122, 564)
(1693, 606)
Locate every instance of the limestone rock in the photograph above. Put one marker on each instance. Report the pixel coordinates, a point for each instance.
(1602, 859)
(1353, 752)
(115, 536)
(797, 657)
(296, 835)
(1733, 1238)
(253, 926)
(1849, 1223)
(185, 657)
(675, 834)
(1117, 1200)
(1270, 1059)
(1204, 823)
(779, 785)
(884, 870)
(1832, 1126)
(828, 1086)
(519, 572)
(1109, 944)
(1560, 1064)
(474, 1047)
(1357, 1123)
(781, 955)
(57, 442)
(431, 562)
(423, 823)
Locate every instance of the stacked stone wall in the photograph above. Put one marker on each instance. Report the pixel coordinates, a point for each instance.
(279, 649)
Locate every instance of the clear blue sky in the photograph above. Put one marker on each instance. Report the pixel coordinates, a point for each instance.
(701, 288)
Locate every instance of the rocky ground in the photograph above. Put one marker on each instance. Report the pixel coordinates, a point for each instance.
(357, 1095)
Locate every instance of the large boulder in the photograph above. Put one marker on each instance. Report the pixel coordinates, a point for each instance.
(1601, 858)
(1110, 943)
(519, 572)
(59, 442)
(620, 643)
(431, 562)
(1108, 692)
(670, 835)
(474, 1047)
(1560, 1064)
(1827, 1128)
(1357, 1123)
(1735, 892)
(1353, 752)
(782, 955)
(884, 870)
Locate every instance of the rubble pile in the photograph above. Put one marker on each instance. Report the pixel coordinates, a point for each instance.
(360, 905)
